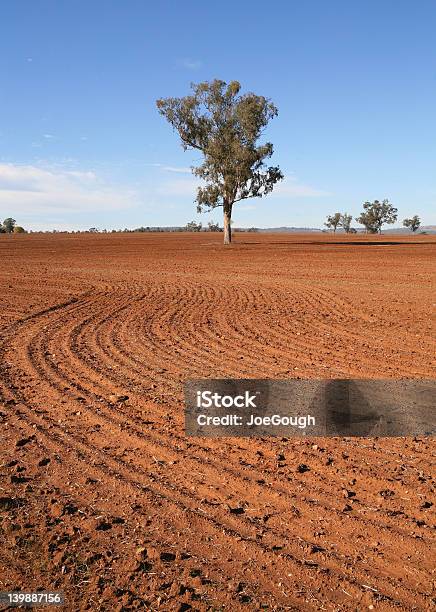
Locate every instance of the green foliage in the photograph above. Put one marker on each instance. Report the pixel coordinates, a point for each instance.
(412, 223)
(19, 230)
(8, 225)
(345, 222)
(376, 214)
(225, 127)
(214, 227)
(192, 226)
(333, 221)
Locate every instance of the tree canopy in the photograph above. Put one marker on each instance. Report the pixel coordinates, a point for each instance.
(413, 223)
(345, 222)
(8, 225)
(333, 221)
(225, 126)
(376, 214)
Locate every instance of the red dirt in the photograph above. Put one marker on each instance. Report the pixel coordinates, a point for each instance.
(112, 504)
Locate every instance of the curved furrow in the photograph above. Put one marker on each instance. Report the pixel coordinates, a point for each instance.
(343, 327)
(78, 446)
(60, 388)
(43, 350)
(82, 389)
(87, 493)
(118, 469)
(174, 513)
(331, 330)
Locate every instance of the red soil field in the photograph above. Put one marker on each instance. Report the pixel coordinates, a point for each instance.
(104, 497)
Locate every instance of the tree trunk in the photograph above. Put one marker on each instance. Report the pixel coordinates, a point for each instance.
(227, 226)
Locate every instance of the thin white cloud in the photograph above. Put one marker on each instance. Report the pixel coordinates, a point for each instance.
(48, 136)
(36, 190)
(190, 64)
(178, 169)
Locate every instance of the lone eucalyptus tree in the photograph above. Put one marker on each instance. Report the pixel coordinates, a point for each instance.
(225, 127)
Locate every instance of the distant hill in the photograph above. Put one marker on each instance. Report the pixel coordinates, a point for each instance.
(430, 229)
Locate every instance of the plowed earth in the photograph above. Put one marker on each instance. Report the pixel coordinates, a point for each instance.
(102, 495)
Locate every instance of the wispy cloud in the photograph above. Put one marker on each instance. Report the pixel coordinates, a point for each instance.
(190, 64)
(177, 169)
(27, 189)
(180, 170)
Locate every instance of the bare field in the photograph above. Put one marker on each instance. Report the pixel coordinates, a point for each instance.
(102, 495)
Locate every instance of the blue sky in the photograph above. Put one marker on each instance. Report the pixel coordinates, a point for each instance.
(82, 145)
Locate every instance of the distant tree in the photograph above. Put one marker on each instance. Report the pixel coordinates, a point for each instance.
(192, 226)
(333, 221)
(8, 225)
(214, 227)
(225, 127)
(367, 220)
(19, 230)
(412, 223)
(252, 229)
(345, 222)
(376, 214)
(94, 230)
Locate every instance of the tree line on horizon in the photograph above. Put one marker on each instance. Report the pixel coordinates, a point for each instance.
(335, 221)
(373, 217)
